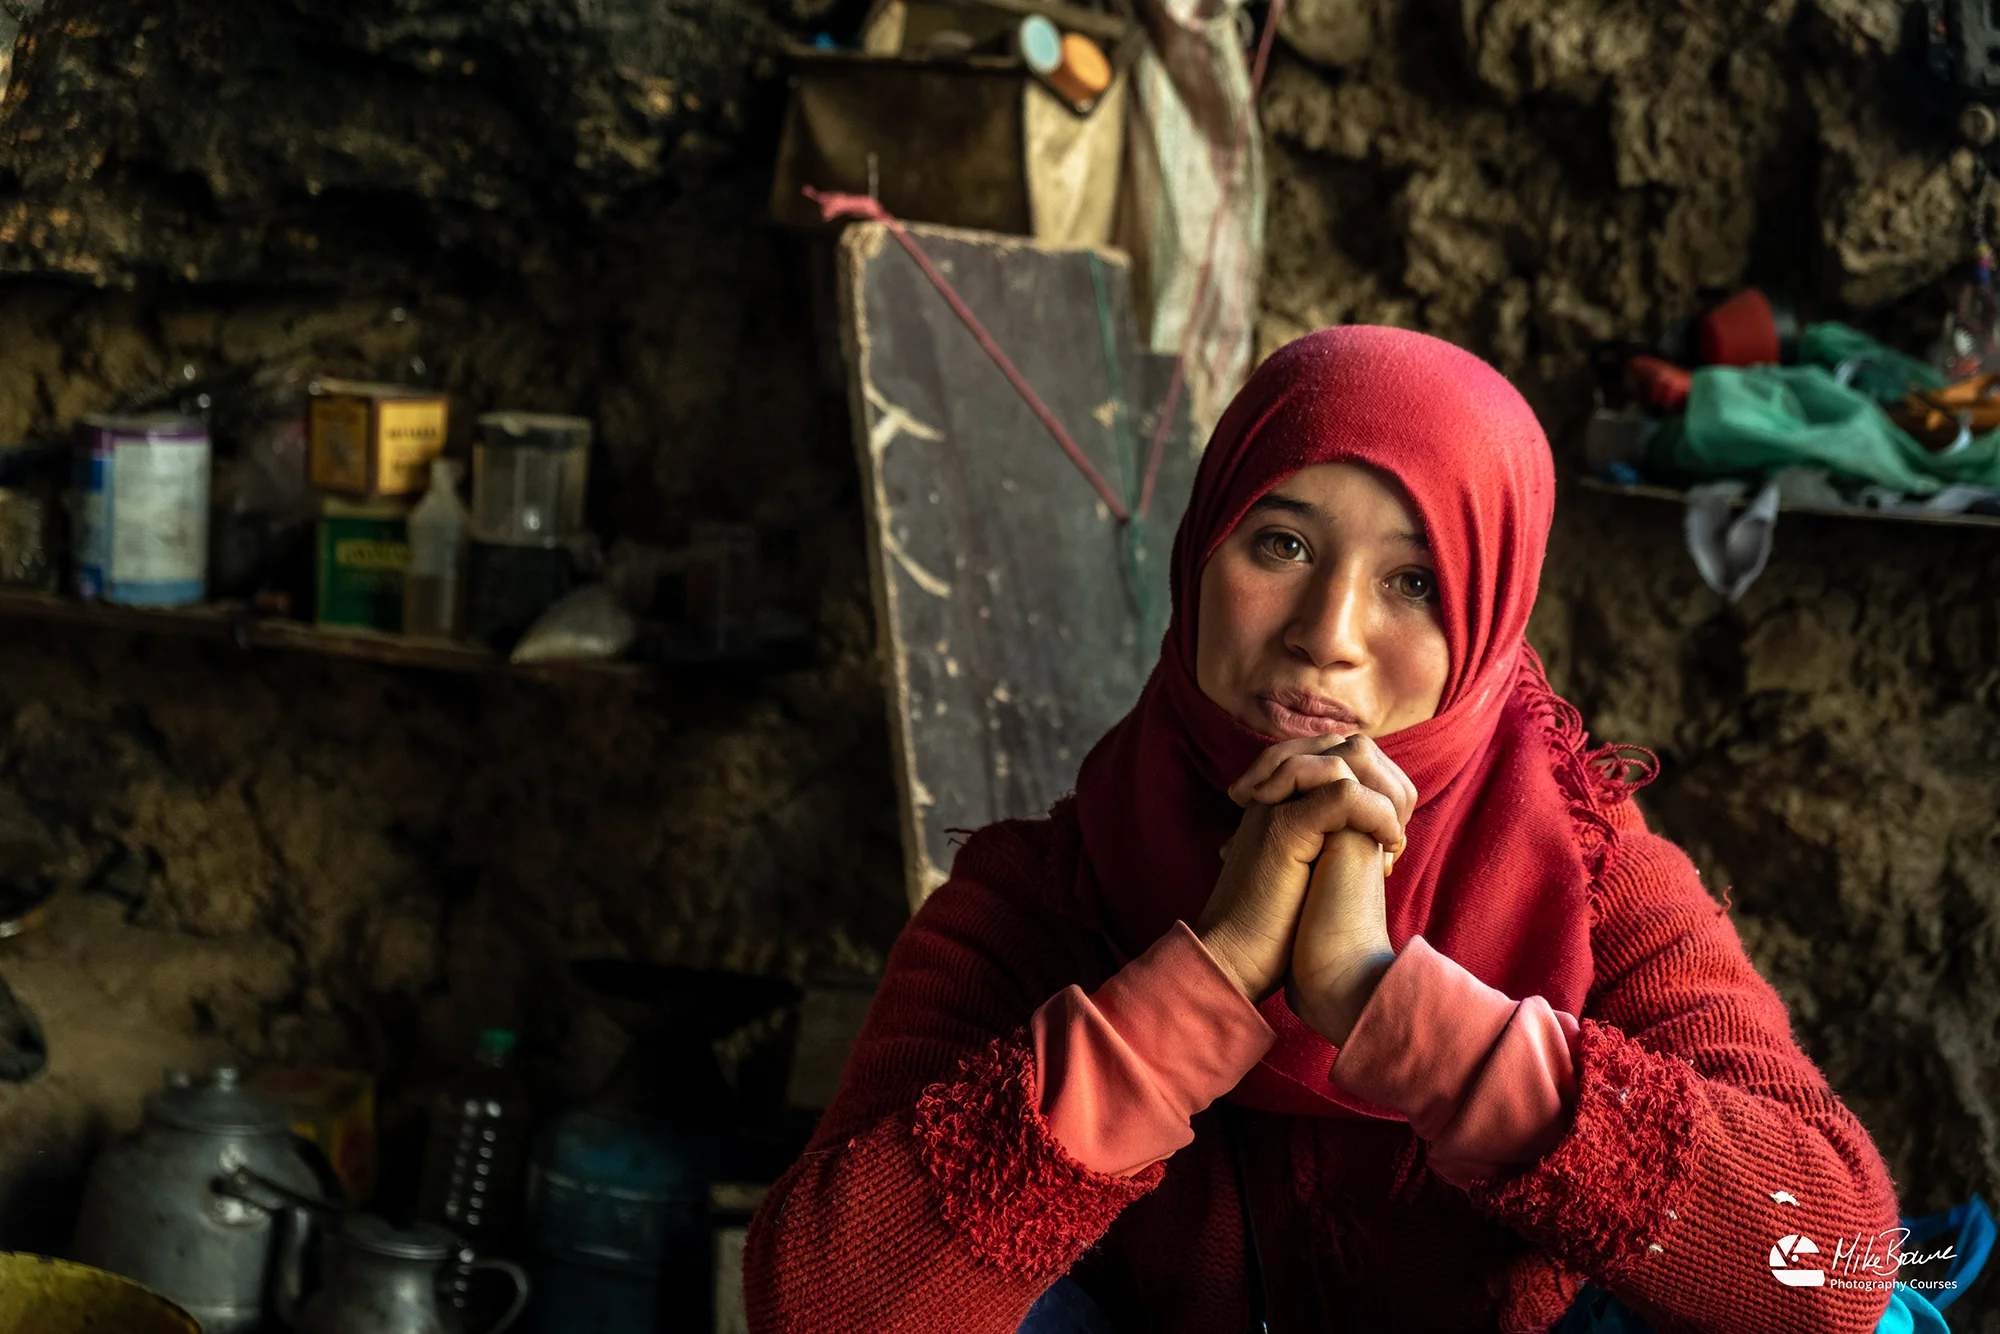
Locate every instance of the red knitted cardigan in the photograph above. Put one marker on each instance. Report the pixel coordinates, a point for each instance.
(934, 1198)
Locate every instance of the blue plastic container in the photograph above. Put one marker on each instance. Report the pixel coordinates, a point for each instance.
(613, 1204)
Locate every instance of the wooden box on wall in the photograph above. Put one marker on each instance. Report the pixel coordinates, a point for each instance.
(969, 141)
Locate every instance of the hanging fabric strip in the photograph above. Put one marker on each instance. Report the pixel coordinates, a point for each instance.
(1231, 174)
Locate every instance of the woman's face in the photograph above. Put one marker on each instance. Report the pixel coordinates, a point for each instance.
(1319, 613)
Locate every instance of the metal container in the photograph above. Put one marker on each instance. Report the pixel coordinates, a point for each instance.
(383, 1279)
(611, 1202)
(141, 508)
(159, 1206)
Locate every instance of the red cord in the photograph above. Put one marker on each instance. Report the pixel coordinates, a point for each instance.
(832, 205)
(1208, 260)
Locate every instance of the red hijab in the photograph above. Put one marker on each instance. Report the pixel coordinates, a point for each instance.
(1501, 846)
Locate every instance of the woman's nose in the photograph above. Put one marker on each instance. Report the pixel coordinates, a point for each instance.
(1330, 628)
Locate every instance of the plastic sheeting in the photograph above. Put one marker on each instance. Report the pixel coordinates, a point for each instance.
(1191, 104)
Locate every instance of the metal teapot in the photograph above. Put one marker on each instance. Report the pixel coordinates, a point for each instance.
(383, 1279)
(167, 1205)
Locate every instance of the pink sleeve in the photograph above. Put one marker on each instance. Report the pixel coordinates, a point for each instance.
(1490, 1082)
(1123, 1069)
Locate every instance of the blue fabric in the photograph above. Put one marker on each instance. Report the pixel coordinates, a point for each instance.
(1910, 1312)
(1066, 1309)
(1598, 1312)
(1970, 1228)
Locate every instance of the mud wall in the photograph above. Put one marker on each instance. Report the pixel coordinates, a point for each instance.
(1525, 177)
(285, 858)
(288, 858)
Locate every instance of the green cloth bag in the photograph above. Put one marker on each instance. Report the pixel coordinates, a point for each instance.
(1754, 421)
(1880, 371)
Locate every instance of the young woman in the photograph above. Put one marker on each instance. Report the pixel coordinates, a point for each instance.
(1348, 992)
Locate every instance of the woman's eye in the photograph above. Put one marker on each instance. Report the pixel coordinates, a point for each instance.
(1416, 585)
(1283, 546)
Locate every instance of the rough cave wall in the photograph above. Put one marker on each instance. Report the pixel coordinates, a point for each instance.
(555, 195)
(285, 858)
(1526, 176)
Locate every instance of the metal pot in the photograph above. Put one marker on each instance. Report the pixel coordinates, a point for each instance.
(384, 1280)
(168, 1207)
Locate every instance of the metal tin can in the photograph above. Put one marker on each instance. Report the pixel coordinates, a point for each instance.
(141, 499)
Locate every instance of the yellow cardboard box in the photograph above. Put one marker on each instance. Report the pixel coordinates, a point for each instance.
(374, 439)
(335, 1109)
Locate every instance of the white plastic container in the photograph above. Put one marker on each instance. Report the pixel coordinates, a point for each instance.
(440, 542)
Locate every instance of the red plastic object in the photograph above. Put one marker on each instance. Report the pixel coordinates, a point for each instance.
(1660, 385)
(1742, 331)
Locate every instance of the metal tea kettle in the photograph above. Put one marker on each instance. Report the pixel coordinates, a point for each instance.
(168, 1206)
(383, 1279)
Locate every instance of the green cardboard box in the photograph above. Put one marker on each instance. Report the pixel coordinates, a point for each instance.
(364, 552)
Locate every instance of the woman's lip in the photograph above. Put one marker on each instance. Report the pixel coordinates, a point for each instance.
(1312, 706)
(1290, 722)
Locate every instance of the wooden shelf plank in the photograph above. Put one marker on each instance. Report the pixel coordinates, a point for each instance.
(1648, 491)
(232, 621)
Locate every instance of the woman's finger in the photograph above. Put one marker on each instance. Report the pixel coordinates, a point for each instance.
(1269, 761)
(1358, 757)
(1373, 767)
(1301, 773)
(1347, 804)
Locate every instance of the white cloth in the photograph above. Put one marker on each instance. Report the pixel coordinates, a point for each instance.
(1731, 552)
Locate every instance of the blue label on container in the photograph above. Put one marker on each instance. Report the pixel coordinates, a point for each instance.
(93, 523)
(167, 593)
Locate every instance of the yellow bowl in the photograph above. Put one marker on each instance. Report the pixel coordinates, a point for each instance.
(39, 1295)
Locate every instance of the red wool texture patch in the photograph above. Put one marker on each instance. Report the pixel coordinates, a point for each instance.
(1532, 1293)
(1583, 1203)
(1004, 1184)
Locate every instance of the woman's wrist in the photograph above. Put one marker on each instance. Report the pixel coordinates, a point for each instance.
(1222, 947)
(1331, 1005)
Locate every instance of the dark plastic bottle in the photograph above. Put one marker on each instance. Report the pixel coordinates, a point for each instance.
(476, 1160)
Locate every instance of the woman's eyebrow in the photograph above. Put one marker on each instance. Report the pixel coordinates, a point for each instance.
(1270, 501)
(1306, 509)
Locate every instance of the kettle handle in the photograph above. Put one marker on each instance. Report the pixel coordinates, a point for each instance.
(288, 1283)
(521, 1290)
(295, 1211)
(245, 1183)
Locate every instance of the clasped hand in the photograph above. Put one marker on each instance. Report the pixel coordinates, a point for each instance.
(1299, 902)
